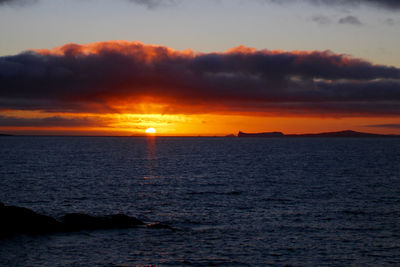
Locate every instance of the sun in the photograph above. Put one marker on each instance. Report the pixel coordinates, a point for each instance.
(151, 130)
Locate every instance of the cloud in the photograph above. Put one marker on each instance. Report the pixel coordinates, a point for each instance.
(390, 22)
(120, 76)
(147, 3)
(392, 126)
(322, 20)
(55, 121)
(390, 4)
(154, 3)
(17, 2)
(350, 20)
(387, 4)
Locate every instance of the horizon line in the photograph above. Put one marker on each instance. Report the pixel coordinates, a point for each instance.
(231, 135)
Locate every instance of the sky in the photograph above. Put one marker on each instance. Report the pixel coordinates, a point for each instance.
(210, 67)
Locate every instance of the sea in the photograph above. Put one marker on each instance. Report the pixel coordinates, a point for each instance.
(232, 201)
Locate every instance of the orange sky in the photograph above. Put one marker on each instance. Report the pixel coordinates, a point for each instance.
(206, 125)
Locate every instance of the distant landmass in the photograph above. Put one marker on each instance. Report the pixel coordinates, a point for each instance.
(5, 134)
(347, 133)
(270, 134)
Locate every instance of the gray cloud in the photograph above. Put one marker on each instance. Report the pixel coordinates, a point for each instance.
(350, 20)
(390, 22)
(147, 3)
(17, 2)
(154, 3)
(391, 4)
(322, 20)
(387, 4)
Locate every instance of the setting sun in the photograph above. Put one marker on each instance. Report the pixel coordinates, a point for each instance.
(150, 130)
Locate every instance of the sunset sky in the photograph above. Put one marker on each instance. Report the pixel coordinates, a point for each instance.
(209, 67)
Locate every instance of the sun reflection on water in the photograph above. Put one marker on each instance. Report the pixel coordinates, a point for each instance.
(151, 157)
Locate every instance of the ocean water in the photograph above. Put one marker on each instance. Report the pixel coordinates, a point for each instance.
(256, 202)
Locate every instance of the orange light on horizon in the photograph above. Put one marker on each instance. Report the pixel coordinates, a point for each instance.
(123, 124)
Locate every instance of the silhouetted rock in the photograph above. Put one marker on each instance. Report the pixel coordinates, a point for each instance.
(347, 133)
(271, 134)
(15, 220)
(80, 221)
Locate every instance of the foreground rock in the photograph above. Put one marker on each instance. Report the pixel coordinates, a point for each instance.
(17, 220)
(270, 134)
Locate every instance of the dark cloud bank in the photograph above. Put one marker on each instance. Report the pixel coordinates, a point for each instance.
(93, 78)
(17, 2)
(55, 121)
(387, 4)
(148, 3)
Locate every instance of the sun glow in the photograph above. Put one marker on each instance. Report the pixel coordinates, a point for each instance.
(150, 130)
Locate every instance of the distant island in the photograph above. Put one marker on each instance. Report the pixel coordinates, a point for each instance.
(5, 134)
(347, 133)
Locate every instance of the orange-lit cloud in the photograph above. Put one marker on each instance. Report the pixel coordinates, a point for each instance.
(123, 88)
(131, 77)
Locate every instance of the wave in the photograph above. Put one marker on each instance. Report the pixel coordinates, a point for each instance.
(233, 192)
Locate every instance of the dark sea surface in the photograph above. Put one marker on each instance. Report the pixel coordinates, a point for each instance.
(257, 202)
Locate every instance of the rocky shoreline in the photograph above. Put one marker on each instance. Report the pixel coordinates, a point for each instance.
(19, 220)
